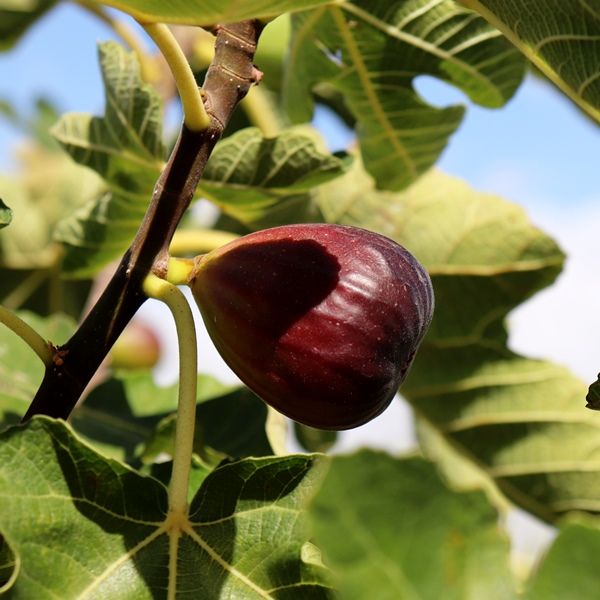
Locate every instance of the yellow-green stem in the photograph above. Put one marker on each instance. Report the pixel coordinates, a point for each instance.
(29, 335)
(186, 408)
(179, 270)
(199, 241)
(194, 114)
(148, 69)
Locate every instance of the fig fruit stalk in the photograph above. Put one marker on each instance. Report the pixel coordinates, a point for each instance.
(321, 321)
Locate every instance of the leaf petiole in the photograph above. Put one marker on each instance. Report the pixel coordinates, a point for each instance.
(166, 292)
(195, 116)
(29, 335)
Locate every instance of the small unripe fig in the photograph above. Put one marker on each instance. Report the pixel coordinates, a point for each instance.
(321, 321)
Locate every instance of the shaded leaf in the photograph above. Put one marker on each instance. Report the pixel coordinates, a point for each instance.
(16, 16)
(229, 425)
(252, 178)
(391, 525)
(371, 52)
(20, 370)
(103, 528)
(314, 440)
(562, 39)
(124, 147)
(570, 569)
(211, 12)
(5, 214)
(120, 415)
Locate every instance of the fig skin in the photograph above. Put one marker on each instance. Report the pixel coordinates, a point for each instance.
(321, 321)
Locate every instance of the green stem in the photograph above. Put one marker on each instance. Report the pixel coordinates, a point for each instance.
(195, 116)
(186, 408)
(148, 69)
(29, 335)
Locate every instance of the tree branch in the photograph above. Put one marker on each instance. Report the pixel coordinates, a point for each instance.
(227, 81)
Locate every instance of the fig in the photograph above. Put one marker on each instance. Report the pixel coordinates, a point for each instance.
(321, 321)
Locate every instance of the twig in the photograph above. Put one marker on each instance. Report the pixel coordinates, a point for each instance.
(227, 81)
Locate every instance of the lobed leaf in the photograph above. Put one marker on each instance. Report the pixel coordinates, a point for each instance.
(392, 526)
(125, 147)
(82, 525)
(371, 52)
(251, 178)
(562, 39)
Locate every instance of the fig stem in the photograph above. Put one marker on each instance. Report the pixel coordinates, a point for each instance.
(179, 270)
(199, 241)
(195, 116)
(29, 335)
(166, 292)
(148, 68)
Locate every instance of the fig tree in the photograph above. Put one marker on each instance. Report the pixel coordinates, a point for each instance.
(321, 321)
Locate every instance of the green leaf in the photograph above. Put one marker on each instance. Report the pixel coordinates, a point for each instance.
(391, 525)
(86, 526)
(251, 178)
(5, 214)
(125, 147)
(570, 569)
(16, 16)
(522, 421)
(371, 52)
(209, 12)
(120, 415)
(562, 39)
(230, 425)
(314, 440)
(20, 370)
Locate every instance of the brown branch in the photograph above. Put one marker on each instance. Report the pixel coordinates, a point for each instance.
(228, 80)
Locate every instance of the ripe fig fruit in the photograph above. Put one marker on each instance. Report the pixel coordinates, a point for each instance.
(321, 321)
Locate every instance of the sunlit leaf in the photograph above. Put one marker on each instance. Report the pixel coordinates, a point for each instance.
(390, 529)
(371, 52)
(125, 147)
(86, 526)
(254, 178)
(562, 39)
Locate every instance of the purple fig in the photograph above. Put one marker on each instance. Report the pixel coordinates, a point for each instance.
(321, 321)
